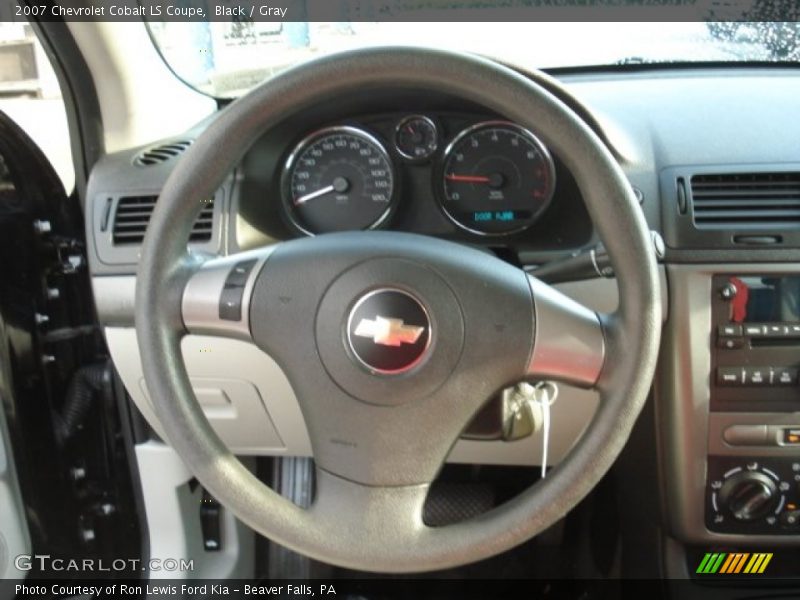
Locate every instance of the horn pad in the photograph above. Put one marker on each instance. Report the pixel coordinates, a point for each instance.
(389, 331)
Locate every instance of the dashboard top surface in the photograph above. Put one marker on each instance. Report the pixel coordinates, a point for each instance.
(652, 120)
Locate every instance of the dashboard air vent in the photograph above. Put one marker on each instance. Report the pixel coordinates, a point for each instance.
(162, 153)
(133, 215)
(764, 200)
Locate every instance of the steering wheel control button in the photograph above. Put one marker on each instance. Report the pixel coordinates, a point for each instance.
(388, 331)
(230, 301)
(239, 274)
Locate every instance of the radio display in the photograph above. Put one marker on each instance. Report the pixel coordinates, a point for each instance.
(765, 299)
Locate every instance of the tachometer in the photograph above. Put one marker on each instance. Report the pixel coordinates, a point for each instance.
(497, 178)
(338, 179)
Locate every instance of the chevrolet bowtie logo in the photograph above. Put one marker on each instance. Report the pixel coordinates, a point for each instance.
(389, 332)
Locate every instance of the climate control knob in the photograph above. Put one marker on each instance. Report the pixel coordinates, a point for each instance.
(749, 495)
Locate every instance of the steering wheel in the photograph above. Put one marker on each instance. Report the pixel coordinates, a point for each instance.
(392, 341)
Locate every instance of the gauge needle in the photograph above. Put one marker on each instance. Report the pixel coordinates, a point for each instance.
(303, 199)
(340, 185)
(467, 178)
(495, 180)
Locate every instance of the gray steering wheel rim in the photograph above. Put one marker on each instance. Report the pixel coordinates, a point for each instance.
(632, 332)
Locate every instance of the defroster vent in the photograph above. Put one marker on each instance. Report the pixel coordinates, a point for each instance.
(133, 214)
(161, 153)
(746, 200)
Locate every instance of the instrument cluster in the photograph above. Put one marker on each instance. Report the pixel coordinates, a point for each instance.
(488, 177)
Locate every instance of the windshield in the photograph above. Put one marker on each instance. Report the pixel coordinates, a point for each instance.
(227, 59)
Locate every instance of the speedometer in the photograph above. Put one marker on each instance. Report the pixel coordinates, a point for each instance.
(338, 179)
(497, 179)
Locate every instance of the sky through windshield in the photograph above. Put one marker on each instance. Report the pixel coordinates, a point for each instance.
(227, 59)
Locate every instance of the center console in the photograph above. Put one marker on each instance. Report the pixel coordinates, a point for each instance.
(728, 403)
(755, 355)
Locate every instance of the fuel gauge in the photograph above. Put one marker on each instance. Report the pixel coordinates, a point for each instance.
(416, 138)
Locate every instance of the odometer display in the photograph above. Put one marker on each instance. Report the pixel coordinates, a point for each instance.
(497, 179)
(338, 179)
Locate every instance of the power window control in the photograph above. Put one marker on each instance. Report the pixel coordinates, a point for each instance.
(240, 273)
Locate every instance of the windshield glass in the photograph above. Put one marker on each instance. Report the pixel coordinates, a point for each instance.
(227, 59)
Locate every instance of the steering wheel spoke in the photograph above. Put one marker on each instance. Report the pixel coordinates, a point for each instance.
(216, 298)
(569, 342)
(379, 513)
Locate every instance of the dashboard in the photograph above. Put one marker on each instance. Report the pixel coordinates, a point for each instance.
(494, 178)
(461, 175)
(720, 184)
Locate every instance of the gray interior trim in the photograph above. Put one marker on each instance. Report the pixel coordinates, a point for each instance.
(173, 518)
(244, 393)
(14, 535)
(114, 298)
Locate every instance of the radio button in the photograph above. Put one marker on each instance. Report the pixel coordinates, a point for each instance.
(776, 330)
(756, 376)
(730, 343)
(729, 330)
(746, 435)
(730, 375)
(784, 376)
(754, 330)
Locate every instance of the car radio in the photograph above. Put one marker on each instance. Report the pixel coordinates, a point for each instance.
(756, 343)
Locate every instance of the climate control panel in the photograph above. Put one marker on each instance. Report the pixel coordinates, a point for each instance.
(753, 495)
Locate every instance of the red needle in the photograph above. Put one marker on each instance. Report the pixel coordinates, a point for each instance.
(467, 178)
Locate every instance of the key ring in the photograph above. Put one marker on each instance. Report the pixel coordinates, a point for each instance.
(544, 394)
(550, 389)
